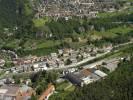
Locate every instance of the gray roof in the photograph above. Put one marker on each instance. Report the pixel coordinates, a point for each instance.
(94, 76)
(11, 89)
(73, 79)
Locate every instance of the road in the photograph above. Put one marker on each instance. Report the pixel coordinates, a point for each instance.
(81, 62)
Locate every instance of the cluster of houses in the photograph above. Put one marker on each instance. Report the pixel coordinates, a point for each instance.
(15, 92)
(80, 8)
(24, 92)
(80, 77)
(6, 54)
(9, 52)
(68, 8)
(111, 65)
(93, 73)
(62, 58)
(85, 76)
(11, 91)
(27, 60)
(70, 56)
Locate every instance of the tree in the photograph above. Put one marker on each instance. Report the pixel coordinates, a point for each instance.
(68, 62)
(33, 97)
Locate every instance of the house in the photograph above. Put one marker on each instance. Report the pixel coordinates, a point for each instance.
(73, 60)
(43, 66)
(9, 92)
(65, 54)
(2, 62)
(51, 63)
(93, 54)
(8, 81)
(111, 64)
(48, 92)
(54, 55)
(40, 66)
(60, 51)
(13, 92)
(72, 70)
(60, 63)
(85, 55)
(36, 67)
(26, 92)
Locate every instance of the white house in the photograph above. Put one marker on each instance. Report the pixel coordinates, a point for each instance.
(36, 67)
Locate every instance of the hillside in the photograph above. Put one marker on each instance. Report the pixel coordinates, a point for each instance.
(34, 36)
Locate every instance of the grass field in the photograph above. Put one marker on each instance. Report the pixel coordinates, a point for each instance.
(39, 44)
(12, 43)
(114, 32)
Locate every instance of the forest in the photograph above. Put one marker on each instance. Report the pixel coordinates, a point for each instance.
(7, 13)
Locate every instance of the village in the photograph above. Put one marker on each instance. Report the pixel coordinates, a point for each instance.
(73, 77)
(64, 58)
(66, 49)
(68, 60)
(68, 8)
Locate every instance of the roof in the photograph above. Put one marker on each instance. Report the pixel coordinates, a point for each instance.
(9, 90)
(35, 65)
(47, 92)
(100, 73)
(94, 76)
(3, 91)
(83, 73)
(73, 78)
(86, 72)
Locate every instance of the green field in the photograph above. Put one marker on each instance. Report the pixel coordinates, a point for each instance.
(63, 89)
(38, 44)
(113, 32)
